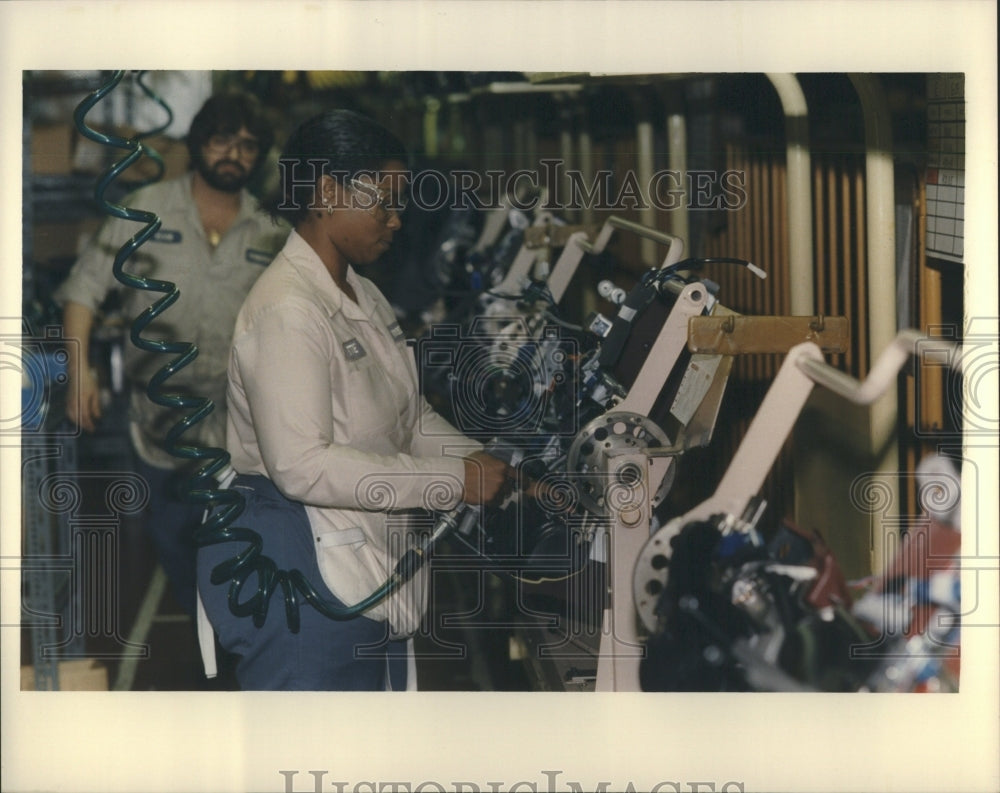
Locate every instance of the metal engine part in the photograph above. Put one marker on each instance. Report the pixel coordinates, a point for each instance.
(588, 458)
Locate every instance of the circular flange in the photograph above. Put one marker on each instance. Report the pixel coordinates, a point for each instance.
(588, 458)
(652, 567)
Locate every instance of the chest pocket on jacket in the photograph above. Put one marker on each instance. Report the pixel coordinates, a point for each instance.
(370, 400)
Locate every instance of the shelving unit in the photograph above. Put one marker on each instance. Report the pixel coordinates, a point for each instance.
(58, 207)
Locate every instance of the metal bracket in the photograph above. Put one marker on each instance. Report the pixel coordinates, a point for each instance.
(578, 243)
(736, 334)
(519, 272)
(676, 244)
(551, 235)
(665, 351)
(631, 501)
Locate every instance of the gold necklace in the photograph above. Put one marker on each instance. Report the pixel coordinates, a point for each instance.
(213, 237)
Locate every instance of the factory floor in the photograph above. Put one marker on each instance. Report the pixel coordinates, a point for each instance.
(144, 640)
(154, 646)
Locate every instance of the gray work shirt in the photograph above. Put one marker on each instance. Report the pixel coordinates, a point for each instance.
(212, 285)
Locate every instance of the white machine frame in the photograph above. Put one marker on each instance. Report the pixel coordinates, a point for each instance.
(633, 550)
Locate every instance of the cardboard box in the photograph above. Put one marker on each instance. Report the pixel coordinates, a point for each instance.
(91, 157)
(83, 674)
(59, 149)
(57, 242)
(52, 148)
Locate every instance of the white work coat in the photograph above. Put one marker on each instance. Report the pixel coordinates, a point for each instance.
(324, 400)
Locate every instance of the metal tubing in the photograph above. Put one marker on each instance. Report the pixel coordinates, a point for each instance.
(861, 284)
(676, 244)
(800, 232)
(562, 188)
(644, 166)
(585, 146)
(823, 303)
(432, 106)
(882, 377)
(880, 213)
(585, 152)
(880, 222)
(677, 143)
(566, 265)
(834, 262)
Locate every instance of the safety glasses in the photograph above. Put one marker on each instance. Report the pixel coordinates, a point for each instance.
(373, 199)
(247, 147)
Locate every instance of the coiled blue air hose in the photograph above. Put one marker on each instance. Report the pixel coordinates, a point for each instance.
(223, 505)
(150, 152)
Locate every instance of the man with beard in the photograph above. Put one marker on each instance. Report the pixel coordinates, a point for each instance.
(213, 243)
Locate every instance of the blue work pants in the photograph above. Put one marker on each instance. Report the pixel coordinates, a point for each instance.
(325, 654)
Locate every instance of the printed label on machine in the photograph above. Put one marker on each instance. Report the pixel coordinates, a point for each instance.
(694, 385)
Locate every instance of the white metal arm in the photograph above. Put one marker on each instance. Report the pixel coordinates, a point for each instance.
(579, 244)
(803, 367)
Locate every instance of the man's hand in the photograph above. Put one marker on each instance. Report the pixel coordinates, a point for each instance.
(77, 323)
(85, 412)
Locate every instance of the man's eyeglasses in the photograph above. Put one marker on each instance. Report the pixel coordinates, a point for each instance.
(382, 202)
(248, 147)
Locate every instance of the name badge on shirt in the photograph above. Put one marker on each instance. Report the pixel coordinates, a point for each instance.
(256, 256)
(353, 350)
(168, 235)
(396, 332)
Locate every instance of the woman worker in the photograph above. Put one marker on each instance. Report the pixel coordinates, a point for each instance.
(328, 433)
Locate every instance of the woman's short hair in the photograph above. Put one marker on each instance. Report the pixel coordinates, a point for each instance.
(338, 143)
(226, 114)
